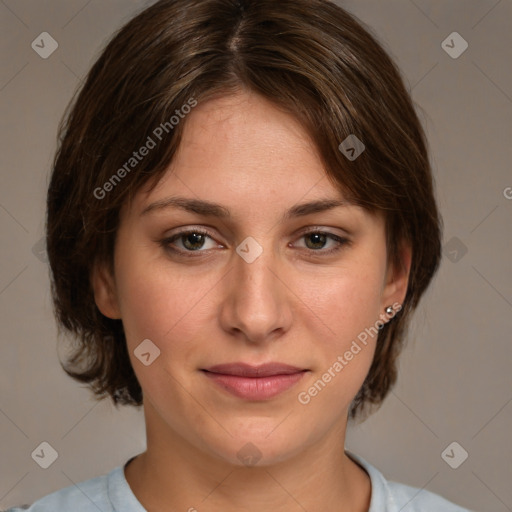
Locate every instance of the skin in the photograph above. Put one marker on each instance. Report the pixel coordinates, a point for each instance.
(294, 304)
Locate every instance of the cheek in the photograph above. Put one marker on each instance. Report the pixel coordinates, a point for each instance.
(154, 305)
(166, 304)
(160, 308)
(346, 302)
(344, 308)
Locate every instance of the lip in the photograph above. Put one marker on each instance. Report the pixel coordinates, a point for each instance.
(255, 382)
(247, 370)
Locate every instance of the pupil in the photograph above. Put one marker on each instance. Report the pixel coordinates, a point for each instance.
(197, 237)
(318, 237)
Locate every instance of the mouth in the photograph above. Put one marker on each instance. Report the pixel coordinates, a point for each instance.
(254, 382)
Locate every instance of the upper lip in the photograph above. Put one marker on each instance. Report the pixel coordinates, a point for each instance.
(247, 370)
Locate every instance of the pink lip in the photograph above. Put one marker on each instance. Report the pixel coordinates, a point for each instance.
(255, 382)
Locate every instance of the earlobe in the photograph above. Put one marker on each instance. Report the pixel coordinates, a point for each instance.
(105, 294)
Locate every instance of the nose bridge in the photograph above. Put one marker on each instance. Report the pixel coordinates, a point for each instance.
(255, 279)
(254, 275)
(256, 303)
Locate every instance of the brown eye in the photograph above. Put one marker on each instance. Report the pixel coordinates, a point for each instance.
(316, 241)
(191, 241)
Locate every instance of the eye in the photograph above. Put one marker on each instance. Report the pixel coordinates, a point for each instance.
(191, 241)
(317, 240)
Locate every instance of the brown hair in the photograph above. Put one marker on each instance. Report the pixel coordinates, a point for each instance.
(310, 58)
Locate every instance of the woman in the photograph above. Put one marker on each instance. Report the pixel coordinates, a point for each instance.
(241, 220)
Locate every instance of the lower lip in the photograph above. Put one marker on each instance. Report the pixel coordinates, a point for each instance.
(255, 388)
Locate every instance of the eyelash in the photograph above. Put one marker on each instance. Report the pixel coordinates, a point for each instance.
(166, 242)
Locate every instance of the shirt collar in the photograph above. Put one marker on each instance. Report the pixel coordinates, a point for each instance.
(381, 498)
(123, 499)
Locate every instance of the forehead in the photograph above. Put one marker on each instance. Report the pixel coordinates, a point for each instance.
(244, 145)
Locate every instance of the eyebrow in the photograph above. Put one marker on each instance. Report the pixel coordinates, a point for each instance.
(210, 209)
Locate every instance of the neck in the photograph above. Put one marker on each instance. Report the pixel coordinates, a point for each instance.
(173, 474)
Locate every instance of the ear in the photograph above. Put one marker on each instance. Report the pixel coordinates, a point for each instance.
(105, 294)
(397, 278)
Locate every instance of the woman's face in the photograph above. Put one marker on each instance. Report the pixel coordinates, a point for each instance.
(256, 289)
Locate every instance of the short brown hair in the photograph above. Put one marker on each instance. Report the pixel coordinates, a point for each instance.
(310, 58)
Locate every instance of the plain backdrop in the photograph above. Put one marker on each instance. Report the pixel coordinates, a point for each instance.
(455, 381)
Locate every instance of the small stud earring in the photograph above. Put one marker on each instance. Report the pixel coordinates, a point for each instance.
(389, 310)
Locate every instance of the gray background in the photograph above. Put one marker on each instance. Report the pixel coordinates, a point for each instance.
(455, 381)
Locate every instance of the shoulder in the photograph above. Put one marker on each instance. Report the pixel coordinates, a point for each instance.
(413, 499)
(396, 497)
(87, 496)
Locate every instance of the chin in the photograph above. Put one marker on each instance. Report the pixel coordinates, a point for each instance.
(259, 443)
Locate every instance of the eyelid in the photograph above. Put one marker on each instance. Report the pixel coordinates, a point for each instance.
(324, 229)
(304, 231)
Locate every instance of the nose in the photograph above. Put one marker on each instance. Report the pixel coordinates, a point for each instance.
(256, 306)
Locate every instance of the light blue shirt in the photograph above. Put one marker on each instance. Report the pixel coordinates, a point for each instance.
(111, 493)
